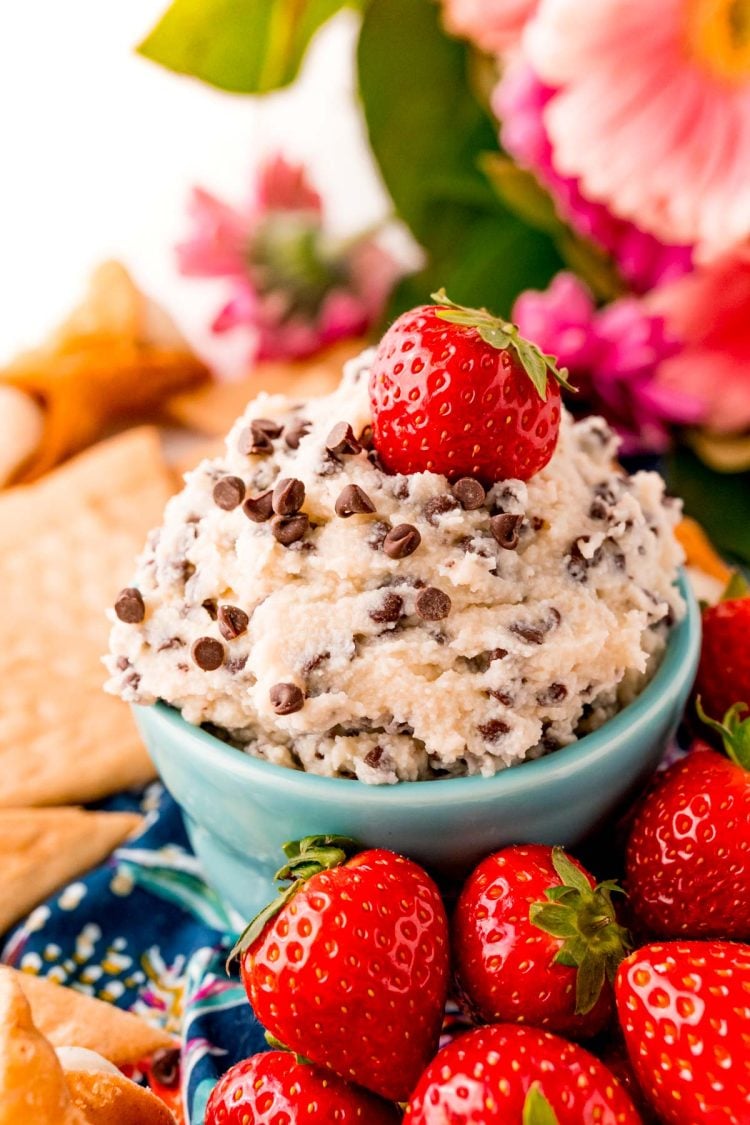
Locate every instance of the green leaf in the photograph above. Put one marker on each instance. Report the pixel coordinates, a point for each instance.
(719, 501)
(734, 730)
(428, 133)
(536, 1108)
(737, 587)
(589, 982)
(556, 920)
(243, 46)
(568, 873)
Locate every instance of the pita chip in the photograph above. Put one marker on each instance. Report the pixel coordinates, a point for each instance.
(115, 360)
(112, 1099)
(67, 545)
(69, 1018)
(42, 849)
(32, 1084)
(212, 409)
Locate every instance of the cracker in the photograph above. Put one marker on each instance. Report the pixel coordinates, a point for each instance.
(42, 849)
(211, 410)
(67, 545)
(69, 1018)
(112, 1099)
(32, 1083)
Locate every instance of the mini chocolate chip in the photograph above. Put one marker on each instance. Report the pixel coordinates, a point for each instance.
(438, 506)
(289, 529)
(315, 662)
(173, 642)
(353, 501)
(130, 606)
(259, 508)
(210, 607)
(469, 493)
(432, 604)
(236, 664)
(598, 510)
(502, 697)
(390, 610)
(229, 492)
(288, 496)
(605, 492)
(401, 541)
(555, 693)
(494, 730)
(182, 667)
(402, 490)
(537, 523)
(293, 434)
(165, 1066)
(532, 634)
(208, 653)
(342, 440)
(287, 698)
(373, 758)
(258, 437)
(506, 529)
(267, 426)
(619, 560)
(233, 621)
(498, 654)
(577, 569)
(366, 439)
(123, 663)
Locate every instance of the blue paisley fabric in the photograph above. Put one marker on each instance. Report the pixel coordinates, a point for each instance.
(145, 932)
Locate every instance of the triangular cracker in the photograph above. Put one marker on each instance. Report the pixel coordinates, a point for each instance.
(68, 1018)
(32, 1084)
(67, 545)
(109, 1099)
(42, 849)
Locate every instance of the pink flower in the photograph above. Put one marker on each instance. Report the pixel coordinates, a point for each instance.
(293, 289)
(709, 312)
(642, 260)
(651, 111)
(612, 356)
(493, 25)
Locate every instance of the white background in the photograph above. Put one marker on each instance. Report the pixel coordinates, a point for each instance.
(99, 148)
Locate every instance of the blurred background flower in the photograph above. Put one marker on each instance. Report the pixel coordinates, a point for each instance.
(293, 288)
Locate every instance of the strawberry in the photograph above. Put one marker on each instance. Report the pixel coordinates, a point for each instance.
(536, 941)
(688, 853)
(724, 669)
(350, 966)
(511, 1075)
(460, 392)
(684, 1007)
(276, 1087)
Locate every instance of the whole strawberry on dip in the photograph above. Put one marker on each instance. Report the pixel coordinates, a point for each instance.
(431, 572)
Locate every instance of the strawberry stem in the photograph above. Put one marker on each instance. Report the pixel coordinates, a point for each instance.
(584, 918)
(734, 731)
(503, 335)
(737, 587)
(305, 858)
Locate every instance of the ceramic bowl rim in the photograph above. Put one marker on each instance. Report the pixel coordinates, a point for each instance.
(668, 683)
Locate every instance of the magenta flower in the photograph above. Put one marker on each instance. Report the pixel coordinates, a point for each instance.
(293, 287)
(612, 355)
(643, 261)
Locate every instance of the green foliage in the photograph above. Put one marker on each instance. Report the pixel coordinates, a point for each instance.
(719, 501)
(428, 133)
(243, 46)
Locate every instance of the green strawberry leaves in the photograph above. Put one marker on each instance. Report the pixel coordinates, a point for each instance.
(734, 731)
(536, 1108)
(584, 919)
(503, 335)
(305, 858)
(737, 587)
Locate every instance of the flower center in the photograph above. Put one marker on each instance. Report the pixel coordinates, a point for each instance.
(719, 33)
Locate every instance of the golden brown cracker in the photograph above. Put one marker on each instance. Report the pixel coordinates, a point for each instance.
(42, 849)
(69, 1018)
(699, 550)
(211, 410)
(67, 544)
(112, 1099)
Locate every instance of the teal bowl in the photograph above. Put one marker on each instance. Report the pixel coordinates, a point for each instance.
(239, 810)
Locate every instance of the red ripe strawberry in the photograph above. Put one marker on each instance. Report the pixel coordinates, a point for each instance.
(276, 1087)
(511, 1075)
(684, 1007)
(460, 392)
(724, 669)
(350, 967)
(536, 941)
(688, 854)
